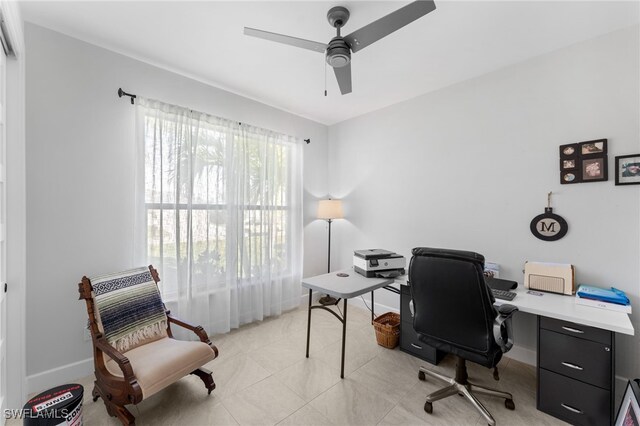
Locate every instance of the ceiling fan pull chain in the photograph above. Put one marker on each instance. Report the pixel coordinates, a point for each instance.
(325, 78)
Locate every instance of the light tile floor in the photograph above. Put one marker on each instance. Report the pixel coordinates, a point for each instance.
(263, 378)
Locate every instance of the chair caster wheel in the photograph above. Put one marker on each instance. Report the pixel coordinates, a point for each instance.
(95, 398)
(421, 376)
(428, 407)
(509, 404)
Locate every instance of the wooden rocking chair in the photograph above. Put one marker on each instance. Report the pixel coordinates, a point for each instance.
(151, 358)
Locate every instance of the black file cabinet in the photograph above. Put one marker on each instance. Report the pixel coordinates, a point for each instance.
(408, 337)
(575, 372)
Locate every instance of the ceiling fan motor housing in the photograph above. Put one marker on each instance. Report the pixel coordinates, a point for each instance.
(338, 16)
(338, 53)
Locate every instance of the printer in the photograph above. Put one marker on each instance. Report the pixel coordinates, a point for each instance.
(377, 262)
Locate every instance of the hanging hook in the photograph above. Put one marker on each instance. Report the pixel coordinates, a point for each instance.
(549, 200)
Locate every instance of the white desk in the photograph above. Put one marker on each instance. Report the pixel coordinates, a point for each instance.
(344, 288)
(563, 307)
(579, 390)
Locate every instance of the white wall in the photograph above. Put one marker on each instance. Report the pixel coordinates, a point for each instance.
(469, 166)
(16, 207)
(79, 159)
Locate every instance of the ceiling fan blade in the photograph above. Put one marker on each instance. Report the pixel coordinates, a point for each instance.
(292, 41)
(343, 75)
(363, 37)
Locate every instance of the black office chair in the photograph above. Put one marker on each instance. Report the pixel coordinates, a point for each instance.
(454, 312)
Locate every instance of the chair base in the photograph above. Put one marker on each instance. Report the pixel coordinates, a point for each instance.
(461, 386)
(114, 410)
(124, 415)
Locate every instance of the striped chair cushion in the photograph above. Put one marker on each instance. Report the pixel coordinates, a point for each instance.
(129, 309)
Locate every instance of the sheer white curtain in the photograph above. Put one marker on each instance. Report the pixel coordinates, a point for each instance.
(219, 215)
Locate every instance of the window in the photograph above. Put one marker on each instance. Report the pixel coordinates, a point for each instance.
(222, 203)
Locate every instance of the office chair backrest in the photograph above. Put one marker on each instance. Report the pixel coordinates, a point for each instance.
(453, 308)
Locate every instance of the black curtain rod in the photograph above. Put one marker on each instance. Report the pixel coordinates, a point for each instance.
(122, 93)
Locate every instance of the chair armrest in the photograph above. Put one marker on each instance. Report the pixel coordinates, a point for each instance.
(507, 310)
(198, 330)
(123, 362)
(134, 394)
(502, 327)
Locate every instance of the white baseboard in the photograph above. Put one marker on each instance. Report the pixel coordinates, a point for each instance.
(379, 308)
(59, 375)
(356, 301)
(522, 354)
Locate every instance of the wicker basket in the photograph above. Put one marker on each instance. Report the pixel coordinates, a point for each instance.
(387, 328)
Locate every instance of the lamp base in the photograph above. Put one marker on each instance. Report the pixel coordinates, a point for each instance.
(327, 300)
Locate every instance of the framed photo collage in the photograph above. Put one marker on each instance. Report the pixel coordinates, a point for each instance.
(583, 162)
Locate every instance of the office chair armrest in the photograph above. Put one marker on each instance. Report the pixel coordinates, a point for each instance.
(502, 326)
(507, 310)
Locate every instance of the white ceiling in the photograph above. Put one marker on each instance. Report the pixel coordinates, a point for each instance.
(204, 40)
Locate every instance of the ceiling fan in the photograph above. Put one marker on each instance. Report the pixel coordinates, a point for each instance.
(338, 50)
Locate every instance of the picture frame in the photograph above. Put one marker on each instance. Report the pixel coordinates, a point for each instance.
(594, 169)
(583, 162)
(594, 147)
(628, 169)
(569, 177)
(569, 151)
(629, 410)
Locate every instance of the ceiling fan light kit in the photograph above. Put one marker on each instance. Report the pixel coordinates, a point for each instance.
(338, 50)
(338, 53)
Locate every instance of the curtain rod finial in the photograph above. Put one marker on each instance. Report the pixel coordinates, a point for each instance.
(122, 93)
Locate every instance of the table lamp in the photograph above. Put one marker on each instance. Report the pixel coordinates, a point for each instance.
(329, 210)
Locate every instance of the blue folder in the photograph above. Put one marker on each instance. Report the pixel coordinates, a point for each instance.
(612, 295)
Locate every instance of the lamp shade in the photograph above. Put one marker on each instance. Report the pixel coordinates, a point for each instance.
(330, 209)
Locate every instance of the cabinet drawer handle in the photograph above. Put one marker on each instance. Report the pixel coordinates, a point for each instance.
(416, 346)
(570, 408)
(575, 367)
(573, 330)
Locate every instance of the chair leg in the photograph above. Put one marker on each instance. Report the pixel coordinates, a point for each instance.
(489, 391)
(206, 376)
(124, 415)
(442, 393)
(435, 375)
(94, 393)
(114, 410)
(476, 403)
